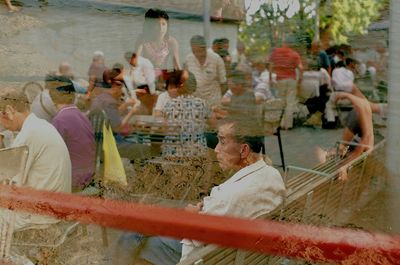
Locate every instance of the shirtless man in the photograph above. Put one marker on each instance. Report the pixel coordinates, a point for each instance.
(358, 130)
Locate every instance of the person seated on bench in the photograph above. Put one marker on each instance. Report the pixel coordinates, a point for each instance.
(48, 164)
(77, 132)
(358, 130)
(110, 101)
(253, 190)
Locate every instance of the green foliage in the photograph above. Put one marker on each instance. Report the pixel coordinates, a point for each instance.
(341, 17)
(348, 17)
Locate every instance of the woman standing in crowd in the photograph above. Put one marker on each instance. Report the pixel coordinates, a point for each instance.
(156, 44)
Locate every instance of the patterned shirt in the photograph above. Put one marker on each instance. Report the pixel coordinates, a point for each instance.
(191, 114)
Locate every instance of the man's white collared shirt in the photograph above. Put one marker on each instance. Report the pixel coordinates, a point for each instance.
(209, 76)
(251, 192)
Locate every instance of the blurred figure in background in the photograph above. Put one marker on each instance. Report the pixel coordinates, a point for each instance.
(285, 63)
(156, 44)
(239, 57)
(95, 74)
(209, 70)
(140, 72)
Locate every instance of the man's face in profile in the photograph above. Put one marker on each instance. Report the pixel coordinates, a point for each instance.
(7, 118)
(228, 150)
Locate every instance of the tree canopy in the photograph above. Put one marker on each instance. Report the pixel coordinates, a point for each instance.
(275, 18)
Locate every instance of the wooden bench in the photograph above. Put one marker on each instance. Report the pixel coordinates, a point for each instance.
(313, 197)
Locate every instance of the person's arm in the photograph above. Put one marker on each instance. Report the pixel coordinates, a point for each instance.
(221, 75)
(357, 92)
(366, 143)
(226, 99)
(175, 52)
(92, 82)
(139, 49)
(194, 208)
(150, 76)
(158, 113)
(300, 77)
(125, 126)
(124, 106)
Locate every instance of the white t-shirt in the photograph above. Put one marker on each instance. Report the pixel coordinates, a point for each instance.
(162, 100)
(48, 165)
(343, 79)
(250, 193)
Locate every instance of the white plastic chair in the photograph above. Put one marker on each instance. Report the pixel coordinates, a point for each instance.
(12, 164)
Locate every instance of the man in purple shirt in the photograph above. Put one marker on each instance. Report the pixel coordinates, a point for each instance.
(77, 132)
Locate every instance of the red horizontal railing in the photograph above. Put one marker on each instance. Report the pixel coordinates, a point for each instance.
(269, 237)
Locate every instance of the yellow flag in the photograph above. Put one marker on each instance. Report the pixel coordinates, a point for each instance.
(114, 171)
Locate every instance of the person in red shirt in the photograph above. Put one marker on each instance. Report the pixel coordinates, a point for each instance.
(283, 62)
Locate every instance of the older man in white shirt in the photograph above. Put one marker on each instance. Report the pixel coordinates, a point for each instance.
(48, 165)
(209, 70)
(254, 190)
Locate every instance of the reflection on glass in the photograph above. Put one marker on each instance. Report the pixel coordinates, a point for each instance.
(293, 83)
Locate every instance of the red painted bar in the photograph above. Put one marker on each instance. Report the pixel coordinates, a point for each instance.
(296, 241)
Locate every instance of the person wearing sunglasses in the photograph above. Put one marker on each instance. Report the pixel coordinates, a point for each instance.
(110, 101)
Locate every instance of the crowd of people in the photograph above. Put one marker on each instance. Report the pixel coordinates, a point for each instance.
(210, 90)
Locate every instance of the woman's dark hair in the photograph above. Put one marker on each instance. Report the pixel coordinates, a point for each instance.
(151, 25)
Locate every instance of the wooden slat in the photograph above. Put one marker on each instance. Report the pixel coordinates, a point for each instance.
(259, 259)
(250, 257)
(218, 255)
(227, 260)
